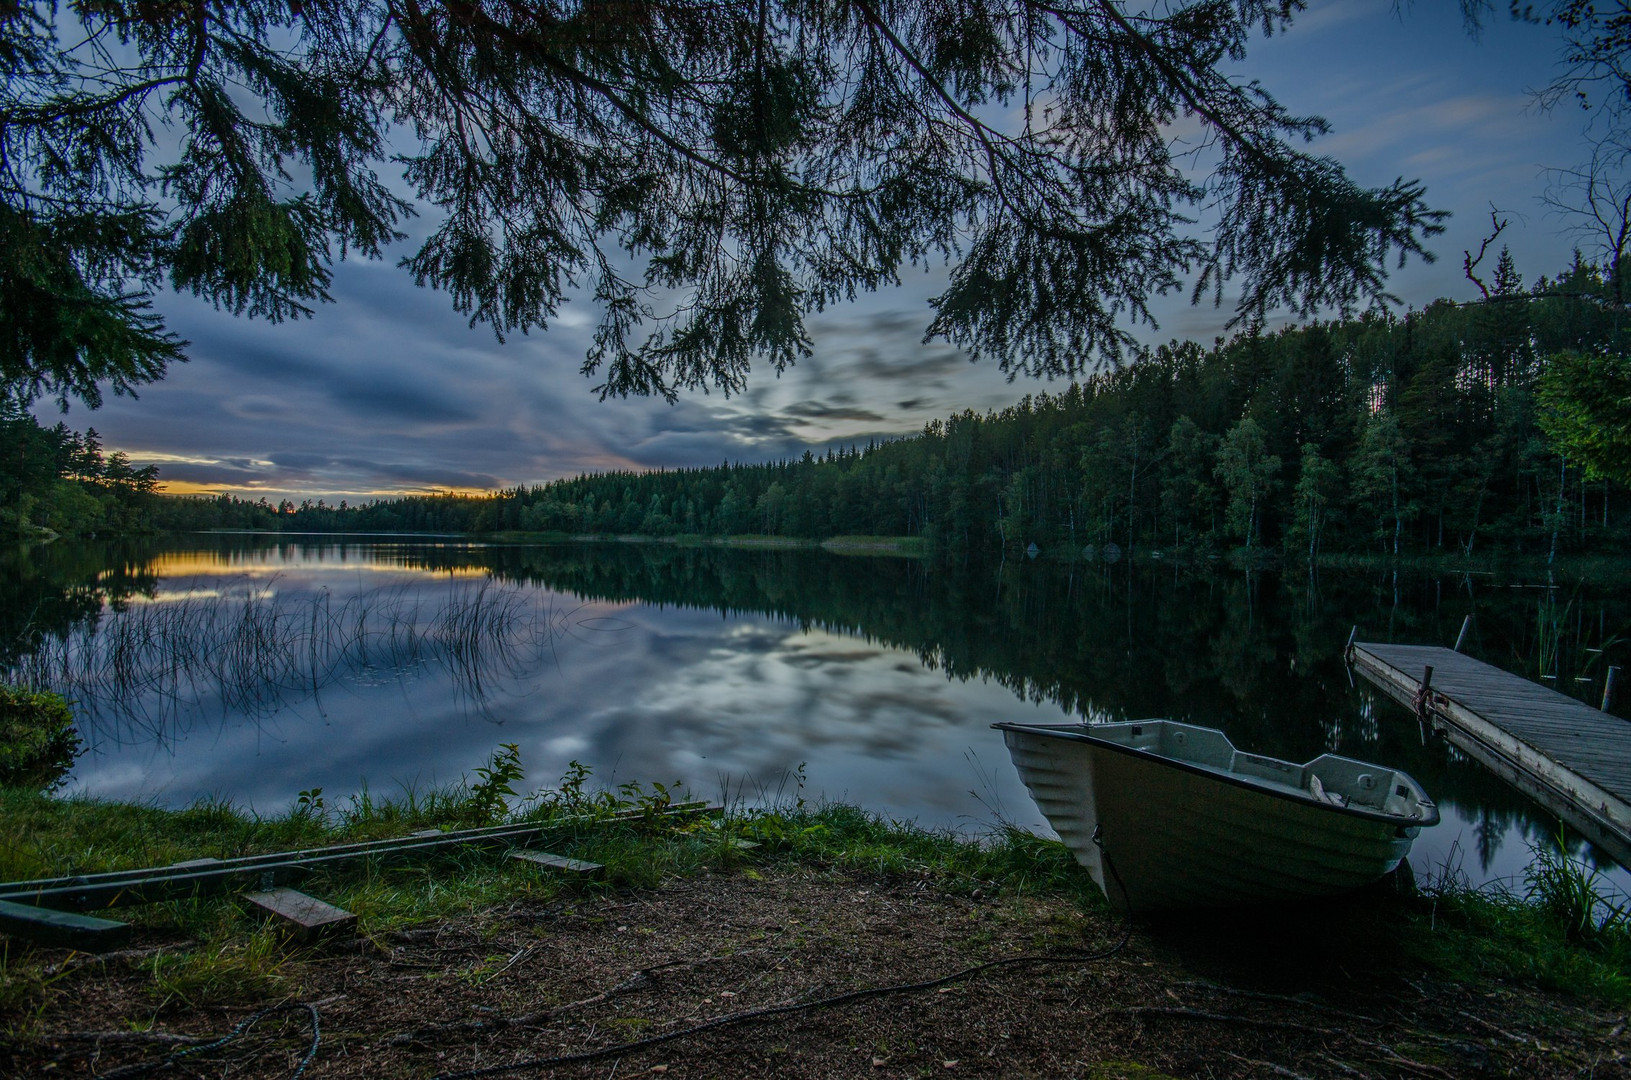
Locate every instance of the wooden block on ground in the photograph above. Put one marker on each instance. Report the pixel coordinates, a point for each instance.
(307, 915)
(64, 928)
(561, 863)
(193, 864)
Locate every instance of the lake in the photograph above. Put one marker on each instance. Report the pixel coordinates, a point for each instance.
(251, 668)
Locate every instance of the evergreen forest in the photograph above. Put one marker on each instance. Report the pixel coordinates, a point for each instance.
(1440, 430)
(57, 481)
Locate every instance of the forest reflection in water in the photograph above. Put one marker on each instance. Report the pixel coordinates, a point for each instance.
(250, 668)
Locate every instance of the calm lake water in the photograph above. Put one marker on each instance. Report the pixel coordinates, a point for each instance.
(252, 668)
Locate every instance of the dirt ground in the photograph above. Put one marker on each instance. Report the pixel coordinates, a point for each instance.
(1219, 997)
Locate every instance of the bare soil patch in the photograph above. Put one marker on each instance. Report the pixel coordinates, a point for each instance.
(1237, 995)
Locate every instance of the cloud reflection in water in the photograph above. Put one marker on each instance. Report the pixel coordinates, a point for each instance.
(637, 691)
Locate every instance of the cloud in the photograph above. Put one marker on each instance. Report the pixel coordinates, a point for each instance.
(298, 459)
(816, 410)
(389, 389)
(423, 404)
(220, 475)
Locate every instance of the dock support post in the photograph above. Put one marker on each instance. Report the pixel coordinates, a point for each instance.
(1461, 638)
(1422, 695)
(1608, 687)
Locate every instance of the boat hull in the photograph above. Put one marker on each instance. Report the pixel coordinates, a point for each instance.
(1169, 837)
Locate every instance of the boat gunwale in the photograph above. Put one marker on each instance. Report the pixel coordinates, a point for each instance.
(1297, 795)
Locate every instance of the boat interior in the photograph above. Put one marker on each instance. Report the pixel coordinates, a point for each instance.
(1331, 778)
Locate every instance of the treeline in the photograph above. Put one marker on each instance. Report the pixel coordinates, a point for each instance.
(1389, 434)
(54, 480)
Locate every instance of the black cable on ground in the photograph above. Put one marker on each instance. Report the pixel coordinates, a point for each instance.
(172, 1059)
(782, 1010)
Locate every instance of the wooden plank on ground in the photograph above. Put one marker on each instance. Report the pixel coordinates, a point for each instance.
(560, 863)
(307, 916)
(63, 928)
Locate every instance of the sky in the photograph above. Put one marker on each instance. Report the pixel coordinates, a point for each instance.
(388, 391)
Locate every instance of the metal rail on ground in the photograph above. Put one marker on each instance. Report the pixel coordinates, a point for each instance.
(47, 909)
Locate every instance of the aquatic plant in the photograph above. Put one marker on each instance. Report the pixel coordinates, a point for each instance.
(1573, 896)
(251, 650)
(38, 742)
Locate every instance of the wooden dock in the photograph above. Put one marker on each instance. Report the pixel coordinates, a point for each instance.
(1571, 758)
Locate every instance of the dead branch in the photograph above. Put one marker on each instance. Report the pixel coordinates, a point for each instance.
(119, 956)
(1277, 1070)
(1223, 1018)
(1299, 1001)
(130, 1038)
(1502, 1032)
(1343, 1066)
(1469, 263)
(1391, 1056)
(638, 981)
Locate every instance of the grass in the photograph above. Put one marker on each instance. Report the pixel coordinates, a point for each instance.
(1562, 936)
(1565, 933)
(233, 955)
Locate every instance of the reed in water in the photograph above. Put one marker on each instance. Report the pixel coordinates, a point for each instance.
(251, 649)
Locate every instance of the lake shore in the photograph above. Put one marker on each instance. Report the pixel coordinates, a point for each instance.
(476, 961)
(839, 545)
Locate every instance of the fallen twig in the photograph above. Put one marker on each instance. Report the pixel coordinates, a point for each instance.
(1393, 1057)
(79, 960)
(1299, 1001)
(130, 1038)
(1278, 1070)
(1222, 1018)
(1343, 1066)
(638, 980)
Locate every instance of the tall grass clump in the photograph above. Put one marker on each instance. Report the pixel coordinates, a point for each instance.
(1567, 930)
(1575, 898)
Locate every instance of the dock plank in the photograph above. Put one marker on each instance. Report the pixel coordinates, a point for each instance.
(1573, 759)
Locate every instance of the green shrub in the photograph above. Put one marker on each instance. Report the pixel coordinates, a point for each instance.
(38, 742)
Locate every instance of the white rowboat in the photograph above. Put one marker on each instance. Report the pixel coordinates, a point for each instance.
(1186, 820)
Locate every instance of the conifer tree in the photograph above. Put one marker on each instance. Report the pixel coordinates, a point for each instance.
(709, 172)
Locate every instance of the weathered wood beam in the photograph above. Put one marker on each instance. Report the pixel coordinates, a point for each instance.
(560, 863)
(306, 916)
(62, 928)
